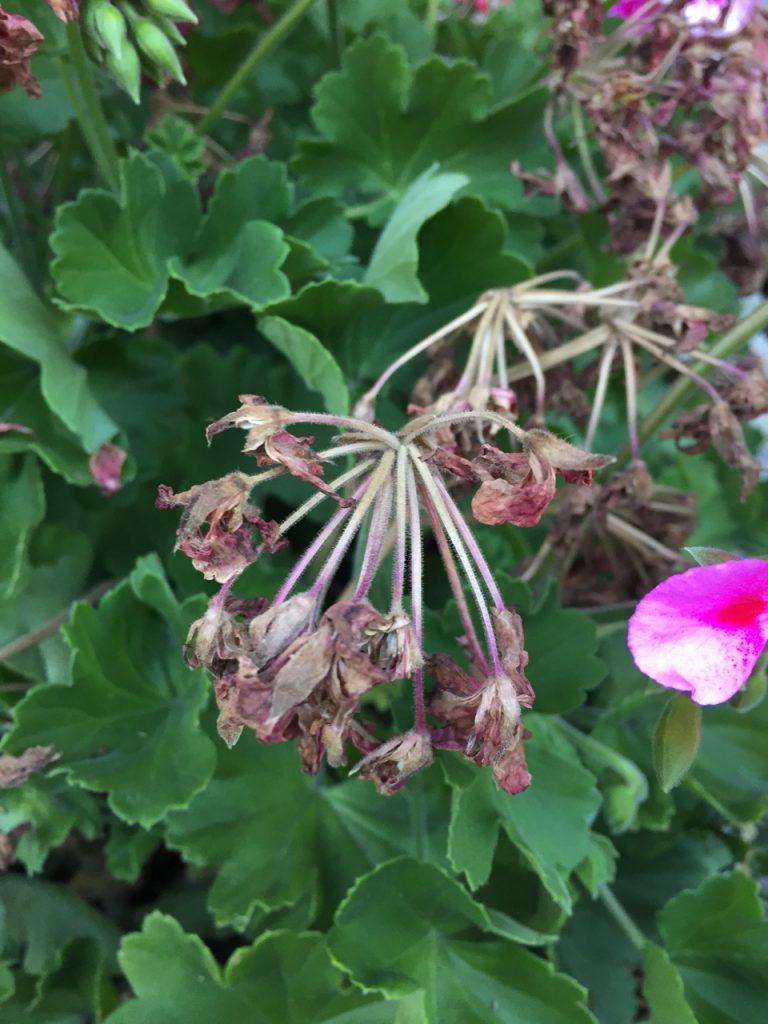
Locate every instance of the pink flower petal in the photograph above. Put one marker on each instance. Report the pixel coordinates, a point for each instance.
(106, 466)
(703, 631)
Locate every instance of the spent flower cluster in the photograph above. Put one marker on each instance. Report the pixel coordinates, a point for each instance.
(300, 665)
(677, 81)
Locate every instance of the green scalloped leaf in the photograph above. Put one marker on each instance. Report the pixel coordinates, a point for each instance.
(405, 927)
(128, 724)
(717, 938)
(36, 332)
(438, 113)
(283, 976)
(562, 791)
(112, 253)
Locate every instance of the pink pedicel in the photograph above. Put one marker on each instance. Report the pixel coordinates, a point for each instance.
(702, 631)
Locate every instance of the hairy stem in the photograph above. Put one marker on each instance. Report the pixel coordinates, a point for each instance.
(417, 597)
(430, 486)
(603, 374)
(372, 488)
(374, 546)
(420, 347)
(401, 529)
(50, 626)
(454, 581)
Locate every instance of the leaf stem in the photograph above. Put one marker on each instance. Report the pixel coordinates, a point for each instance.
(19, 231)
(268, 41)
(48, 628)
(334, 24)
(89, 111)
(621, 917)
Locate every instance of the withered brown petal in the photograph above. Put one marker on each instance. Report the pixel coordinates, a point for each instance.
(497, 502)
(309, 662)
(277, 627)
(391, 765)
(16, 769)
(728, 439)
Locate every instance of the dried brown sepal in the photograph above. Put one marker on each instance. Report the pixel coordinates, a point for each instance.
(331, 660)
(229, 723)
(17, 769)
(214, 637)
(295, 454)
(747, 396)
(276, 628)
(394, 762)
(576, 465)
(19, 40)
(227, 547)
(508, 627)
(257, 416)
(510, 770)
(728, 439)
(716, 424)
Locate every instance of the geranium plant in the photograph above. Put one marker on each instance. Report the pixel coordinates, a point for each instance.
(384, 563)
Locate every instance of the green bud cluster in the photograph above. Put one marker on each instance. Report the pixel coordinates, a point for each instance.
(125, 36)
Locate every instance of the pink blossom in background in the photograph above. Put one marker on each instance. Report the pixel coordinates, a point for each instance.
(702, 631)
(18, 427)
(705, 17)
(106, 466)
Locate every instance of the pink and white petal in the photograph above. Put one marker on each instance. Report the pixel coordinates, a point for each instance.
(710, 664)
(703, 630)
(705, 593)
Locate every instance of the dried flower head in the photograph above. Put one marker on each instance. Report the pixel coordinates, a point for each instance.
(19, 40)
(298, 667)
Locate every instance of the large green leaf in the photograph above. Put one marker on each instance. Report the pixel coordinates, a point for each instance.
(313, 363)
(36, 332)
(561, 672)
(717, 938)
(404, 927)
(562, 791)
(59, 560)
(128, 724)
(275, 836)
(732, 765)
(283, 976)
(239, 249)
(39, 918)
(663, 988)
(111, 253)
(395, 258)
(439, 113)
(23, 508)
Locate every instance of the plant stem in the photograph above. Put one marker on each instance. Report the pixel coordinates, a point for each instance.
(730, 341)
(334, 24)
(90, 113)
(268, 41)
(621, 917)
(42, 632)
(19, 231)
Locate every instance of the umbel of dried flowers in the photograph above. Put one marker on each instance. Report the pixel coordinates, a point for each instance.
(297, 667)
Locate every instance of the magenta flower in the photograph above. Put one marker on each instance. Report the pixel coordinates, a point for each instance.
(705, 17)
(703, 631)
